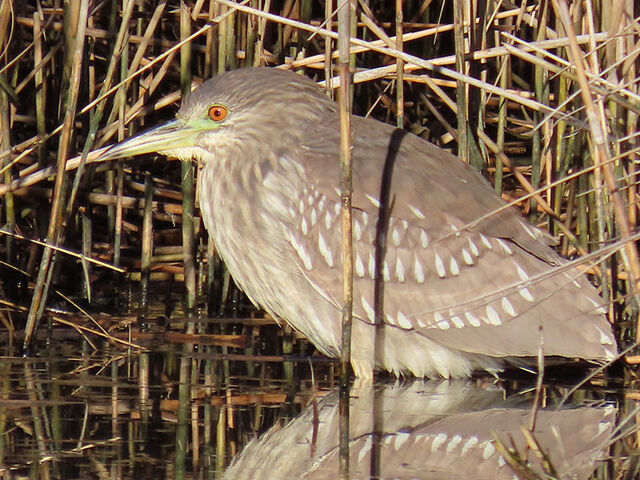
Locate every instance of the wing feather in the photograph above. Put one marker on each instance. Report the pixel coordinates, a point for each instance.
(463, 284)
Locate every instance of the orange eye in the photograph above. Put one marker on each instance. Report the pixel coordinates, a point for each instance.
(217, 113)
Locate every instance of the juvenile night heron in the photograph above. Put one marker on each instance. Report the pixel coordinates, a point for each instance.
(459, 295)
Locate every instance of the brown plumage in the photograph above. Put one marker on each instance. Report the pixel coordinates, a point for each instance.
(459, 295)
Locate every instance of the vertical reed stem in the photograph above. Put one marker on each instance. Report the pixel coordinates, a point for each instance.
(399, 67)
(461, 89)
(344, 34)
(344, 31)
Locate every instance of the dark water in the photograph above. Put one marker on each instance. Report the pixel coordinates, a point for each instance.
(73, 414)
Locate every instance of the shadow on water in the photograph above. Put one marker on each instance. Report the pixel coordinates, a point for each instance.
(71, 414)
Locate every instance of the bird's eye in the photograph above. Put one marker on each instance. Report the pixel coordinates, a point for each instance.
(217, 113)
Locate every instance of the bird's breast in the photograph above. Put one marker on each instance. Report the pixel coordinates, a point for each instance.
(247, 209)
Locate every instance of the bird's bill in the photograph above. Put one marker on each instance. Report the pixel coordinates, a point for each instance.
(164, 139)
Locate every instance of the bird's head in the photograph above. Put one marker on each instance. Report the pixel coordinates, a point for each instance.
(253, 108)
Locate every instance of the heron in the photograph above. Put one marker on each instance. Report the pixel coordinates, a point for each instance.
(466, 283)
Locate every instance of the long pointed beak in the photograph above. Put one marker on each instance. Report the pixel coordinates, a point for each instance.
(165, 139)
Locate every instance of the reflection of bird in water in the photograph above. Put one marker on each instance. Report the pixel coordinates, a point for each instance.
(426, 430)
(461, 285)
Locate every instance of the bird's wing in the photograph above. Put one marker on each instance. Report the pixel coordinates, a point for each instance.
(446, 276)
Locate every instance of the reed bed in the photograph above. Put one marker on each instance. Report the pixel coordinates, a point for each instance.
(542, 98)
